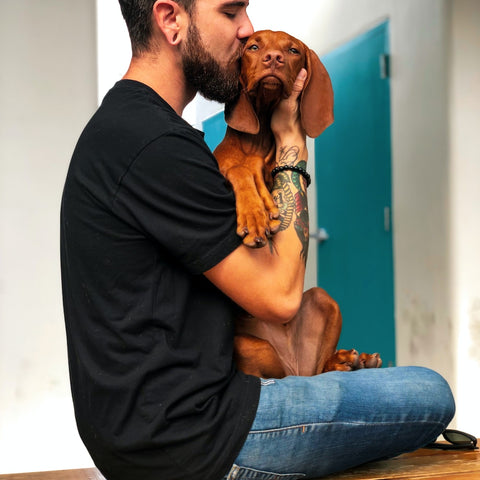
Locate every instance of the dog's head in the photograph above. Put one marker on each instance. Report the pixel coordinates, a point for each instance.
(270, 64)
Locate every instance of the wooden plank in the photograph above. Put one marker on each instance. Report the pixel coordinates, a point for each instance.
(448, 476)
(424, 463)
(421, 464)
(79, 474)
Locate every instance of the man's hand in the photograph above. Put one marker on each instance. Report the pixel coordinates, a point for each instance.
(285, 124)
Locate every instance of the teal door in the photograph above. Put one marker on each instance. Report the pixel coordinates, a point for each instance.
(353, 181)
(214, 129)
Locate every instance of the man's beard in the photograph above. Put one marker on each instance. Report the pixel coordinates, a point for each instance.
(205, 74)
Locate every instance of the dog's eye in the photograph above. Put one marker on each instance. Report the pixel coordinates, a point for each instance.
(253, 47)
(294, 51)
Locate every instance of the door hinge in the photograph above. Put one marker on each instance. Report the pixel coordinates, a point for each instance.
(387, 219)
(384, 60)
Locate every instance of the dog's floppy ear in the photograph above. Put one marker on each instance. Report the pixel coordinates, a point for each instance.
(241, 116)
(316, 104)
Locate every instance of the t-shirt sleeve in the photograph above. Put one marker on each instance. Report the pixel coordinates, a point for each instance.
(174, 193)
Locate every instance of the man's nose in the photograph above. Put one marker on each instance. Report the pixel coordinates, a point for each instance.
(246, 29)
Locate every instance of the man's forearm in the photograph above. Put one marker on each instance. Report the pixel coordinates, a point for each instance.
(290, 195)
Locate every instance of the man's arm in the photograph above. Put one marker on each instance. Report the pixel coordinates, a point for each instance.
(268, 282)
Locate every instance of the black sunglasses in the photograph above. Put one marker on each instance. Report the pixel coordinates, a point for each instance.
(458, 441)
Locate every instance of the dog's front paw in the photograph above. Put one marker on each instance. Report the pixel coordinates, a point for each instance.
(254, 224)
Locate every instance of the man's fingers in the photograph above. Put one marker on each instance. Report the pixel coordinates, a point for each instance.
(286, 117)
(299, 83)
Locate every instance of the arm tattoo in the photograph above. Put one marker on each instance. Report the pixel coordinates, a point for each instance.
(288, 155)
(291, 198)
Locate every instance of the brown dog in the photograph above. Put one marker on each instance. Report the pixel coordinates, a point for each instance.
(306, 345)
(271, 62)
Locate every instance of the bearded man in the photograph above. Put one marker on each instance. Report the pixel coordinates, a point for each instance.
(153, 272)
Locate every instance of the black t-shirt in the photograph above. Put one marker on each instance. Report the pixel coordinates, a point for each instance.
(144, 212)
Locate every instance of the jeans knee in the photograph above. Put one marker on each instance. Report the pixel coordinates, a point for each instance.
(439, 394)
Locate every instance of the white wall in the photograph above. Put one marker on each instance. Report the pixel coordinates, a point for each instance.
(113, 45)
(47, 92)
(465, 205)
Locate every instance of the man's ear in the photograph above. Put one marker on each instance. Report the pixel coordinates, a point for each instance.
(169, 18)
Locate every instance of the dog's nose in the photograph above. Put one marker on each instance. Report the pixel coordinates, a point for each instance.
(273, 57)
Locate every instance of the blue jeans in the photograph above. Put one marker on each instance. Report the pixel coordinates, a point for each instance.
(307, 427)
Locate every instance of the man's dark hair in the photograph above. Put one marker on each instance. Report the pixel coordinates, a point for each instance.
(138, 17)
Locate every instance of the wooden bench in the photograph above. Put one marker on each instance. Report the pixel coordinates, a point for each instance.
(433, 464)
(424, 463)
